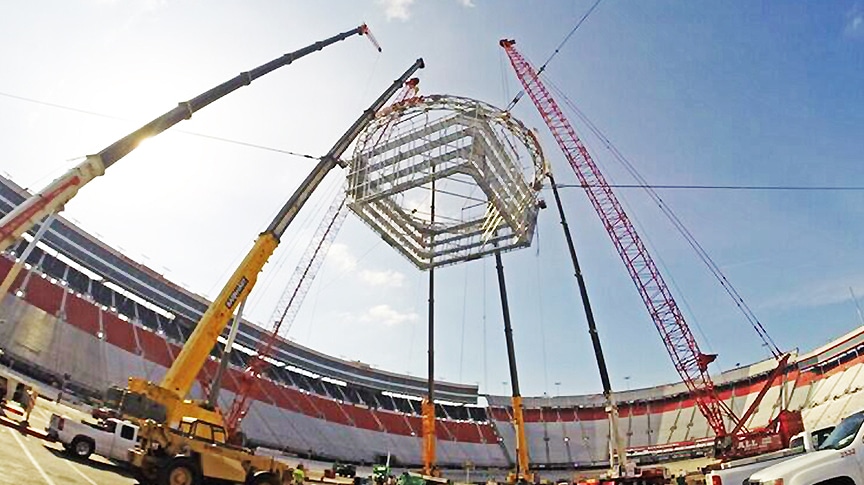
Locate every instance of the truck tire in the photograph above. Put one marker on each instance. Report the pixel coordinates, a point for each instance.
(180, 471)
(263, 478)
(82, 447)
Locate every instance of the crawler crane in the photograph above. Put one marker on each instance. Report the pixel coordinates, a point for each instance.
(690, 362)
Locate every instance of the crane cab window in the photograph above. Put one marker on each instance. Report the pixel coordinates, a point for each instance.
(219, 435)
(203, 431)
(186, 428)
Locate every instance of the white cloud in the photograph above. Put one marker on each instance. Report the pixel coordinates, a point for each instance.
(382, 278)
(341, 258)
(400, 9)
(387, 315)
(818, 293)
(396, 9)
(854, 22)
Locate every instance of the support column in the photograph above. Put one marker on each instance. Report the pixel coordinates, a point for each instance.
(213, 398)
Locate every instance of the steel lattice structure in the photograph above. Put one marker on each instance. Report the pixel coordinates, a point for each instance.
(485, 167)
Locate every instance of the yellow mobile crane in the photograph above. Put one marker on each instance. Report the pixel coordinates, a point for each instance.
(182, 441)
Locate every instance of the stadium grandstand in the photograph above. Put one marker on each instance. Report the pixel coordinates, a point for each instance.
(86, 315)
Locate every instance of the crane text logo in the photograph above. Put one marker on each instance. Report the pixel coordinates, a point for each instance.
(232, 298)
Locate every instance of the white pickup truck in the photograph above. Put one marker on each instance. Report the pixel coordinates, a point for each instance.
(838, 461)
(738, 472)
(111, 438)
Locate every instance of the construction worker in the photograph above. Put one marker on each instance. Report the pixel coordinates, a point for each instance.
(299, 475)
(28, 402)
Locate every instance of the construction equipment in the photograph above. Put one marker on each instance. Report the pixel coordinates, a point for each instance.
(296, 289)
(690, 362)
(618, 463)
(182, 439)
(523, 472)
(52, 198)
(491, 169)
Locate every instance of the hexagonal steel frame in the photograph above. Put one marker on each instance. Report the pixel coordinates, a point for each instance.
(469, 153)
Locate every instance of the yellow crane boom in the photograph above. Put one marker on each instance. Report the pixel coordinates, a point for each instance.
(168, 396)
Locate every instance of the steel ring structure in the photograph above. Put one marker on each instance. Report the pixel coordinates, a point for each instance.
(484, 166)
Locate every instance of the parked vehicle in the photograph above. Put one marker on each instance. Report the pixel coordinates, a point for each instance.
(838, 461)
(737, 472)
(344, 470)
(111, 438)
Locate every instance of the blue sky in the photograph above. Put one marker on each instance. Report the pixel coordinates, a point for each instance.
(739, 93)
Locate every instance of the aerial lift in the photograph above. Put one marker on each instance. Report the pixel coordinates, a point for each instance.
(51, 200)
(690, 362)
(171, 449)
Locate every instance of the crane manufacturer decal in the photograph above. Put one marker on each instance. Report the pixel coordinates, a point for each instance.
(232, 299)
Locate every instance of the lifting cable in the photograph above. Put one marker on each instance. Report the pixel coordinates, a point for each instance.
(464, 310)
(200, 135)
(814, 188)
(539, 289)
(555, 52)
(676, 222)
(485, 367)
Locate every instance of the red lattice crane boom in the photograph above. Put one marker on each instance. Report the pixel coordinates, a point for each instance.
(688, 359)
(690, 362)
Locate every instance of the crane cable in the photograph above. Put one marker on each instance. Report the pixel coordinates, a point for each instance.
(799, 188)
(540, 317)
(185, 132)
(555, 52)
(462, 338)
(677, 223)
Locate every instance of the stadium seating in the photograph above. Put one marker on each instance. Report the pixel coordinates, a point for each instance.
(73, 327)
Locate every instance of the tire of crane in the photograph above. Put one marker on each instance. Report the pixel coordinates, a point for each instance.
(263, 478)
(180, 471)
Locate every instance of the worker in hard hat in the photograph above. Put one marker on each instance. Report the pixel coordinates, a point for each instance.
(28, 401)
(299, 475)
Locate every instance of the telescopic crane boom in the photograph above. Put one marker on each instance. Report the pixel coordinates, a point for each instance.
(52, 198)
(167, 398)
(294, 294)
